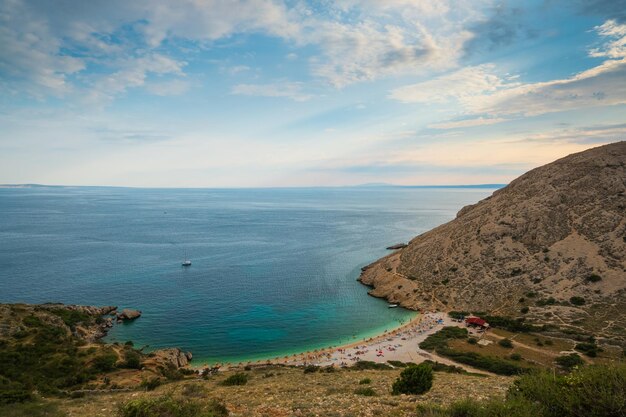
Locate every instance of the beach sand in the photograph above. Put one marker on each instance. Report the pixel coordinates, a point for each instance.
(401, 344)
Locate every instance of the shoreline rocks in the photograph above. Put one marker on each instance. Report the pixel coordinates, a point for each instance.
(397, 246)
(128, 315)
(173, 356)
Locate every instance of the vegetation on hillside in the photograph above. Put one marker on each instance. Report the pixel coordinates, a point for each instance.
(593, 391)
(44, 355)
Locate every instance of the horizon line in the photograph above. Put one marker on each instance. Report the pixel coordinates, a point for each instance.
(366, 185)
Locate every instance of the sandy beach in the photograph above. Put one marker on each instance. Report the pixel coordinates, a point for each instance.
(401, 344)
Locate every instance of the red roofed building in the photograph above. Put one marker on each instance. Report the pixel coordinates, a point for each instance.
(476, 321)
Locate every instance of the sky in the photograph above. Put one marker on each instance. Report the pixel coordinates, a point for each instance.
(270, 93)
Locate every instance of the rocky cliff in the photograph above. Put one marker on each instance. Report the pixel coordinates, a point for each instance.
(550, 247)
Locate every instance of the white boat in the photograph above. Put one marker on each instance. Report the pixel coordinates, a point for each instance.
(186, 262)
(393, 305)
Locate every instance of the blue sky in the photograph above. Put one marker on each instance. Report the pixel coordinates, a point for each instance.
(247, 93)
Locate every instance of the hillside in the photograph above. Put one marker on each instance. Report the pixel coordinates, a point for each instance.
(550, 247)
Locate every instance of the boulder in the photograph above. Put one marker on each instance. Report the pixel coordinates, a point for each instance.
(173, 356)
(129, 314)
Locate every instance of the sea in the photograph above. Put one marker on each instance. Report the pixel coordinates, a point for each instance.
(273, 270)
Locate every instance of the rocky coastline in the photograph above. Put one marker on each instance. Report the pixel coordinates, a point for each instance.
(548, 248)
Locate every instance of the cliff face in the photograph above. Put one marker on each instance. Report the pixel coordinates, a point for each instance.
(557, 231)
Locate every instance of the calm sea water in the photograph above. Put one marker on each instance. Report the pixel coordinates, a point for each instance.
(274, 270)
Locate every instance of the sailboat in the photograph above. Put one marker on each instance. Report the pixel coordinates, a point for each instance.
(186, 261)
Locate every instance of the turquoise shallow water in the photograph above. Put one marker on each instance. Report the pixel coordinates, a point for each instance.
(274, 270)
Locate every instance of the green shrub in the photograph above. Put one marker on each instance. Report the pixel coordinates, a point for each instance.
(487, 363)
(594, 391)
(365, 391)
(524, 310)
(414, 380)
(440, 338)
(150, 384)
(235, 379)
(397, 364)
(362, 365)
(31, 409)
(546, 302)
(441, 367)
(104, 362)
(515, 357)
(132, 360)
(72, 317)
(506, 343)
(472, 340)
(510, 324)
(577, 301)
(589, 349)
(593, 278)
(590, 391)
(365, 381)
(169, 407)
(458, 314)
(309, 369)
(570, 361)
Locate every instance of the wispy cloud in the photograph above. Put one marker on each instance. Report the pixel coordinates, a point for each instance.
(291, 90)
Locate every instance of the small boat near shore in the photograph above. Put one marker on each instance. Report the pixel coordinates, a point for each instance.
(392, 305)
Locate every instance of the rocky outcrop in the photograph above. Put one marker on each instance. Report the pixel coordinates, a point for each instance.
(173, 356)
(397, 246)
(91, 324)
(556, 232)
(128, 314)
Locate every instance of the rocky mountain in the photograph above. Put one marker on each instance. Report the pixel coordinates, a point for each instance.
(549, 247)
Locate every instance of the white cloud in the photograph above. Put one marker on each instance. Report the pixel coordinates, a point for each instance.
(479, 91)
(459, 85)
(481, 121)
(291, 90)
(45, 44)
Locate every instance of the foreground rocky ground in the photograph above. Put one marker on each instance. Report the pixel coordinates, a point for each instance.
(282, 392)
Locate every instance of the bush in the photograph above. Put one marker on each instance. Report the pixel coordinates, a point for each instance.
(440, 339)
(365, 391)
(132, 360)
(150, 384)
(311, 369)
(589, 349)
(365, 381)
(472, 340)
(506, 343)
(170, 407)
(458, 314)
(596, 391)
(235, 379)
(414, 380)
(487, 363)
(397, 364)
(31, 409)
(593, 391)
(193, 390)
(361, 365)
(441, 367)
(577, 301)
(515, 357)
(510, 324)
(593, 278)
(570, 361)
(104, 362)
(524, 310)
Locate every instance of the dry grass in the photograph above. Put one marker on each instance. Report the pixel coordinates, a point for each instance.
(279, 391)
